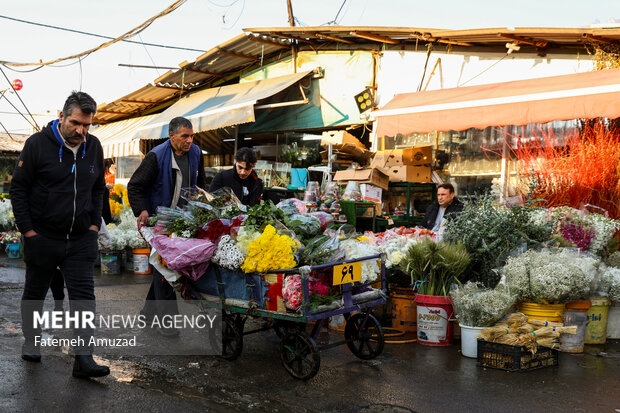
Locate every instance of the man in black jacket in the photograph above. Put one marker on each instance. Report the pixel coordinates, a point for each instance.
(446, 204)
(241, 178)
(57, 193)
(177, 163)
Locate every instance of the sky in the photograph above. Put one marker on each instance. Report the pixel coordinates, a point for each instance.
(203, 24)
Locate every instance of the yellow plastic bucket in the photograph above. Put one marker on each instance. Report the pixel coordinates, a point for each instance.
(544, 312)
(141, 261)
(596, 326)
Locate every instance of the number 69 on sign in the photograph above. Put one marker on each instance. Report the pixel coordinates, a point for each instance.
(347, 273)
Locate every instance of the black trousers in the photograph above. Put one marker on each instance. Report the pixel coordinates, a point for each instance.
(161, 298)
(75, 258)
(58, 286)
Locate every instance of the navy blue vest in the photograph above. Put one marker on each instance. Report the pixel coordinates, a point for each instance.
(163, 189)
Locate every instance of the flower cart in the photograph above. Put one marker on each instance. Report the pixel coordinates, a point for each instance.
(241, 295)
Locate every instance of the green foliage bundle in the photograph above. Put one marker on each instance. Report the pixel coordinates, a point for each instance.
(436, 264)
(490, 233)
(262, 214)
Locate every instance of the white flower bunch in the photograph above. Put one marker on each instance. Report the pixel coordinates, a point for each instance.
(604, 229)
(227, 254)
(118, 238)
(610, 283)
(354, 249)
(395, 249)
(476, 306)
(7, 221)
(245, 238)
(554, 277)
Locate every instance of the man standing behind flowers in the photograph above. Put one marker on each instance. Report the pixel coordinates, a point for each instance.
(170, 166)
(447, 204)
(57, 194)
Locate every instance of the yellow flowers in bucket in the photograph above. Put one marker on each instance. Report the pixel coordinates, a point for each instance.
(119, 199)
(270, 251)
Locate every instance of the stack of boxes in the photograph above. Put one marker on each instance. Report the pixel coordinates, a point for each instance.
(405, 165)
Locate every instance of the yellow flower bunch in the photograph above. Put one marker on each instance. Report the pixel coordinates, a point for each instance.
(115, 207)
(270, 251)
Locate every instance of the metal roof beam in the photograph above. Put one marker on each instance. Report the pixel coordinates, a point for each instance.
(375, 37)
(328, 37)
(598, 39)
(299, 39)
(138, 102)
(523, 40)
(114, 113)
(259, 39)
(237, 55)
(429, 38)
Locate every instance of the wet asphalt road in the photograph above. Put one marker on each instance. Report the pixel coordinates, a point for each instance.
(405, 378)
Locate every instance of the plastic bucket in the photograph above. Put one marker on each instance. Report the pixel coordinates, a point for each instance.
(434, 320)
(469, 340)
(13, 251)
(404, 313)
(544, 312)
(575, 314)
(110, 263)
(141, 261)
(596, 327)
(613, 321)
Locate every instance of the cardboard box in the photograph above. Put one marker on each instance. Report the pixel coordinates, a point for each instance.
(371, 193)
(419, 155)
(340, 137)
(409, 173)
(365, 176)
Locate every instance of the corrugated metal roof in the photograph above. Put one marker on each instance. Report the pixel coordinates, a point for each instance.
(258, 46)
(12, 143)
(116, 137)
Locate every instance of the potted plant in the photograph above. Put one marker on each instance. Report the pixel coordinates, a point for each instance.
(433, 268)
(477, 307)
(12, 242)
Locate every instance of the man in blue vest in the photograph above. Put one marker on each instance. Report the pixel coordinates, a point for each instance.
(175, 164)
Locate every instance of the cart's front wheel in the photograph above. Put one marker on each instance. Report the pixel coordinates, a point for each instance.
(232, 338)
(300, 355)
(364, 336)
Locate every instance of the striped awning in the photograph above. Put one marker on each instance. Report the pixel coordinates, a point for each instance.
(577, 96)
(117, 137)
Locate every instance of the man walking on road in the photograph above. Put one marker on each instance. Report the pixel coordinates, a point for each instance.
(56, 193)
(170, 166)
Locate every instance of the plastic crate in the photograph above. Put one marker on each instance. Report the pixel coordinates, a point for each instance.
(514, 358)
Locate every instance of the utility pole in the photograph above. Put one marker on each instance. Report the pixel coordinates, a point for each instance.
(291, 18)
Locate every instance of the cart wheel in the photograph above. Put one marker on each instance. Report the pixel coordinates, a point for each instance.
(281, 327)
(299, 355)
(232, 338)
(365, 340)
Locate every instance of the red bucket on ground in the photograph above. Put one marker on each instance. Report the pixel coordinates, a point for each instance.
(434, 315)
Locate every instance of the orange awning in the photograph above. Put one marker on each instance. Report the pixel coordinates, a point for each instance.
(580, 95)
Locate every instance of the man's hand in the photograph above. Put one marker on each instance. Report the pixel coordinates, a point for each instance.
(30, 233)
(94, 228)
(143, 218)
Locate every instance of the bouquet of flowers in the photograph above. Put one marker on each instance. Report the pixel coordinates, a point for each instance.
(270, 251)
(476, 306)
(551, 277)
(10, 237)
(119, 199)
(227, 254)
(7, 220)
(354, 249)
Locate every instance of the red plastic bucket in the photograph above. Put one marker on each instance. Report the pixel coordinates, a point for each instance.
(434, 315)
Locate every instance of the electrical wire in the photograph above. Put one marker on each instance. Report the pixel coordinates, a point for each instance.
(124, 36)
(149, 55)
(49, 26)
(17, 110)
(20, 99)
(505, 56)
(238, 17)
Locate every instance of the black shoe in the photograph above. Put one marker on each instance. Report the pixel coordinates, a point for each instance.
(31, 353)
(85, 367)
(168, 331)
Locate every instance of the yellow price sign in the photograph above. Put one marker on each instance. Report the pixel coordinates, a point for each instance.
(347, 273)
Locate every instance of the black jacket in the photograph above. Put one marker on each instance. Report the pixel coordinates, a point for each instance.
(229, 178)
(59, 197)
(431, 212)
(145, 176)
